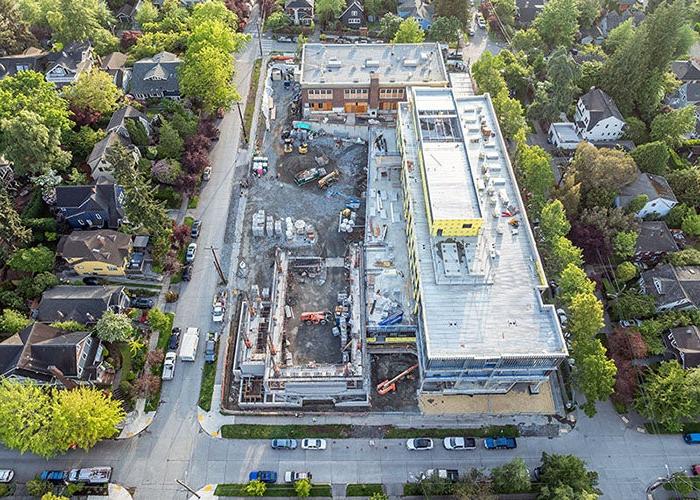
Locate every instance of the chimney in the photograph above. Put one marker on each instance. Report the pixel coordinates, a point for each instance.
(67, 383)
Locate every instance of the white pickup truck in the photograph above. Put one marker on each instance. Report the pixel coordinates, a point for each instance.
(218, 308)
(169, 366)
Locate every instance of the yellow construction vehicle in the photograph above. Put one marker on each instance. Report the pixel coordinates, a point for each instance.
(288, 147)
(328, 179)
(303, 148)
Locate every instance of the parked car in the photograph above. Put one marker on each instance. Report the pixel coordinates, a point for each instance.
(313, 444)
(500, 443)
(481, 21)
(627, 323)
(90, 475)
(94, 281)
(206, 175)
(6, 475)
(266, 476)
(292, 477)
(196, 228)
(191, 252)
(419, 444)
(54, 476)
(187, 273)
(169, 366)
(459, 443)
(141, 302)
(692, 438)
(210, 351)
(284, 444)
(174, 340)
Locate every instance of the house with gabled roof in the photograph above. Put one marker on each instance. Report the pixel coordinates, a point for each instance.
(301, 12)
(597, 118)
(101, 169)
(156, 76)
(114, 63)
(684, 343)
(103, 252)
(673, 288)
(654, 242)
(117, 123)
(353, 16)
(32, 59)
(420, 10)
(48, 355)
(90, 207)
(84, 304)
(660, 197)
(65, 67)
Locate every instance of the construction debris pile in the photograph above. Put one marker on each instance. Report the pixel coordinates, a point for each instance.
(293, 233)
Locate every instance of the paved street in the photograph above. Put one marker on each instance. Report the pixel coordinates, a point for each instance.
(174, 447)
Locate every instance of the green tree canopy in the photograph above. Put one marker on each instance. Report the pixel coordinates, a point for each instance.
(568, 471)
(302, 488)
(32, 260)
(255, 488)
(625, 272)
(672, 126)
(573, 282)
(651, 157)
(114, 327)
(409, 32)
(691, 225)
(511, 477)
(486, 72)
(389, 25)
(147, 13)
(670, 395)
(585, 316)
(94, 90)
(558, 22)
(457, 9)
(562, 73)
(636, 131)
(686, 185)
(78, 21)
(624, 244)
(594, 373)
(445, 29)
(277, 21)
(528, 41)
(619, 36)
(537, 178)
(12, 322)
(633, 305)
(328, 10)
(553, 222)
(15, 36)
(510, 113)
(561, 254)
(602, 168)
(13, 233)
(170, 144)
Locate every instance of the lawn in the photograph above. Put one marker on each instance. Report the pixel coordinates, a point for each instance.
(253, 431)
(494, 430)
(363, 490)
(206, 388)
(654, 428)
(252, 94)
(273, 490)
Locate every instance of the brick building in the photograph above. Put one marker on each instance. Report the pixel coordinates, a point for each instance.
(366, 79)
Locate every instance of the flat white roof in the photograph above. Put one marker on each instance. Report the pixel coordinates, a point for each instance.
(351, 64)
(482, 299)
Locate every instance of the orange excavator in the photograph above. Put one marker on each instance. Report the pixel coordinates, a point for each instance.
(317, 317)
(390, 385)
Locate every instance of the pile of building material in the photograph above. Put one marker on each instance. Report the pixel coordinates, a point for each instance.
(346, 221)
(293, 233)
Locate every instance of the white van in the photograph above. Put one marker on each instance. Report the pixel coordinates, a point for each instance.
(190, 341)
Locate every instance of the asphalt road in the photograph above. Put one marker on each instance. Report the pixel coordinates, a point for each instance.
(174, 447)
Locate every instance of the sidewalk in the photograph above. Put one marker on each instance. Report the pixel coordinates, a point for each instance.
(115, 492)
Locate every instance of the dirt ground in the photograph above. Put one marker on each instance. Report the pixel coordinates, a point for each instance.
(387, 366)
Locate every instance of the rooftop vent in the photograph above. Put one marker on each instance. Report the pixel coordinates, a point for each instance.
(334, 63)
(659, 287)
(410, 62)
(371, 63)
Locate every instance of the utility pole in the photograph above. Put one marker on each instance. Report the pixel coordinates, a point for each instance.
(182, 483)
(240, 114)
(217, 265)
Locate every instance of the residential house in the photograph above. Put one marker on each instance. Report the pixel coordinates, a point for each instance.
(114, 63)
(687, 71)
(654, 241)
(660, 197)
(366, 79)
(65, 67)
(31, 59)
(301, 12)
(613, 19)
(597, 118)
(117, 123)
(353, 16)
(98, 253)
(672, 287)
(156, 77)
(420, 10)
(684, 343)
(125, 15)
(84, 304)
(90, 207)
(47, 355)
(100, 167)
(563, 135)
(527, 10)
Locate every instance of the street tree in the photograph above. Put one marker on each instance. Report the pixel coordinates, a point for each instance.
(585, 316)
(511, 477)
(568, 471)
(528, 41)
(685, 184)
(505, 11)
(94, 89)
(511, 115)
(458, 9)
(558, 22)
(561, 254)
(553, 222)
(670, 127)
(473, 485)
(409, 32)
(670, 395)
(277, 21)
(26, 414)
(15, 36)
(573, 282)
(388, 25)
(516, 71)
(83, 416)
(32, 260)
(594, 374)
(445, 29)
(537, 177)
(11, 322)
(31, 146)
(626, 271)
(327, 11)
(38, 488)
(486, 72)
(379, 496)
(51, 496)
(255, 488)
(114, 327)
(302, 488)
(147, 385)
(652, 157)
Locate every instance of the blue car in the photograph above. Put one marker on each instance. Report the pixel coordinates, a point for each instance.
(53, 476)
(500, 443)
(266, 476)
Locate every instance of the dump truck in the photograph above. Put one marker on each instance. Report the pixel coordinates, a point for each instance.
(317, 317)
(188, 351)
(259, 165)
(309, 175)
(328, 179)
(169, 366)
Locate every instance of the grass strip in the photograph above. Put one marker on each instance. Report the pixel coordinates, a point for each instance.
(493, 430)
(254, 431)
(363, 489)
(273, 490)
(206, 388)
(163, 337)
(252, 94)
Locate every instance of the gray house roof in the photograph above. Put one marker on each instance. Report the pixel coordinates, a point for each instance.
(103, 245)
(100, 149)
(120, 116)
(684, 342)
(600, 105)
(655, 237)
(527, 10)
(31, 59)
(74, 57)
(157, 74)
(686, 70)
(654, 186)
(669, 284)
(108, 198)
(84, 304)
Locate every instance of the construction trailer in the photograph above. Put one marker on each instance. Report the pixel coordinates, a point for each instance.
(265, 374)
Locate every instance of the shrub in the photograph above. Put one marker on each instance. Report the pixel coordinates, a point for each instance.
(155, 357)
(38, 488)
(166, 171)
(147, 385)
(625, 272)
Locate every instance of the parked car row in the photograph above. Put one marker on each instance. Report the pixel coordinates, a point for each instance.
(455, 443)
(86, 475)
(270, 477)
